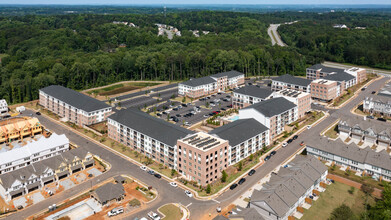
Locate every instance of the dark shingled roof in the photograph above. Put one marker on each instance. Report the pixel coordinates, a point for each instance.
(108, 192)
(199, 81)
(229, 74)
(254, 91)
(158, 129)
(75, 99)
(339, 77)
(273, 106)
(326, 69)
(293, 80)
(240, 130)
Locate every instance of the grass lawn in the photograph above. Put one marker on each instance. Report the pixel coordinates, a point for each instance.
(359, 110)
(121, 88)
(335, 195)
(180, 99)
(171, 212)
(332, 132)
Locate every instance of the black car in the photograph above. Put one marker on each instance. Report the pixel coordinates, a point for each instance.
(233, 186)
(175, 109)
(373, 92)
(267, 157)
(295, 137)
(178, 115)
(158, 114)
(158, 175)
(176, 120)
(370, 117)
(251, 172)
(289, 141)
(228, 96)
(38, 113)
(164, 113)
(273, 153)
(381, 119)
(223, 109)
(184, 105)
(241, 181)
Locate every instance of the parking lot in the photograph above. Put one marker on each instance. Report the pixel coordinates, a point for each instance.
(150, 99)
(197, 116)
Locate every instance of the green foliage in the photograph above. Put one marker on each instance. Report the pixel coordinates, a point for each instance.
(134, 202)
(382, 208)
(343, 212)
(224, 176)
(173, 172)
(240, 165)
(251, 157)
(208, 189)
(351, 190)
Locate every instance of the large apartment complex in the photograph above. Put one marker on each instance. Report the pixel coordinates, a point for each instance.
(349, 77)
(301, 99)
(273, 113)
(249, 95)
(198, 87)
(73, 106)
(291, 82)
(325, 90)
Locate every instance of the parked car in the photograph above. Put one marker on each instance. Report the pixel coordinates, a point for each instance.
(289, 141)
(187, 123)
(178, 115)
(143, 168)
(241, 181)
(158, 114)
(273, 153)
(370, 117)
(233, 186)
(153, 216)
(175, 109)
(158, 175)
(184, 105)
(223, 109)
(373, 92)
(151, 172)
(173, 184)
(115, 211)
(188, 193)
(302, 143)
(218, 209)
(284, 144)
(38, 113)
(206, 116)
(308, 126)
(267, 157)
(381, 119)
(252, 171)
(295, 137)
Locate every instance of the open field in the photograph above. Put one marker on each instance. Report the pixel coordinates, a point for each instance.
(171, 212)
(121, 88)
(335, 195)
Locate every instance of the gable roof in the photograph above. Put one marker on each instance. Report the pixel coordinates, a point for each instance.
(108, 192)
(158, 129)
(273, 106)
(199, 81)
(229, 74)
(293, 80)
(246, 214)
(254, 91)
(75, 99)
(239, 131)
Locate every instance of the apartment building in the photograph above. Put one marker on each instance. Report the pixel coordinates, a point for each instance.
(195, 88)
(249, 95)
(350, 77)
(16, 155)
(367, 131)
(3, 106)
(378, 104)
(364, 161)
(202, 157)
(73, 106)
(148, 135)
(273, 113)
(19, 128)
(301, 99)
(37, 175)
(244, 136)
(291, 82)
(289, 188)
(325, 90)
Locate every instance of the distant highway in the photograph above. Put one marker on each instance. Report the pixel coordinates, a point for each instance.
(272, 31)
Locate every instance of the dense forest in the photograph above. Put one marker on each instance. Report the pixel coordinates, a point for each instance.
(86, 50)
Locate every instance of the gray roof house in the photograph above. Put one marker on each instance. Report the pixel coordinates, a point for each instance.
(273, 106)
(254, 91)
(108, 193)
(294, 80)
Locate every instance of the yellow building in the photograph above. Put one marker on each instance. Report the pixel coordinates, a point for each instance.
(17, 128)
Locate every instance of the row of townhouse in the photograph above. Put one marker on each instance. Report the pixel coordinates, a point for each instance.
(18, 128)
(198, 87)
(369, 131)
(16, 155)
(365, 161)
(37, 175)
(73, 106)
(289, 188)
(198, 156)
(378, 104)
(273, 113)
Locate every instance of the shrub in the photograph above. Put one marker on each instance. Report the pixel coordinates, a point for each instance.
(351, 190)
(208, 189)
(134, 202)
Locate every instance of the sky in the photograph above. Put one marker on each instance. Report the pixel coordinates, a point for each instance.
(145, 2)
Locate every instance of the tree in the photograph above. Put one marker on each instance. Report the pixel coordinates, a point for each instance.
(119, 104)
(208, 189)
(173, 172)
(382, 208)
(224, 176)
(367, 189)
(207, 104)
(168, 117)
(183, 99)
(240, 165)
(251, 157)
(342, 212)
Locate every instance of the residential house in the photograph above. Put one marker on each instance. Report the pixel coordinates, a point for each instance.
(108, 193)
(378, 104)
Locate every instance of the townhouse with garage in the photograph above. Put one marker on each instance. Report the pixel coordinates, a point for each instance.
(364, 161)
(301, 99)
(198, 87)
(148, 135)
(378, 104)
(273, 113)
(16, 155)
(289, 188)
(325, 90)
(249, 95)
(73, 106)
(371, 132)
(319, 71)
(37, 175)
(19, 128)
(291, 82)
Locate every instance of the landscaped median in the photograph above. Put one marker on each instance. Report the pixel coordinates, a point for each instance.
(172, 212)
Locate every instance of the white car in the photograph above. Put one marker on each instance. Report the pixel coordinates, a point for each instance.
(143, 168)
(188, 193)
(308, 126)
(187, 123)
(153, 216)
(284, 144)
(173, 184)
(111, 213)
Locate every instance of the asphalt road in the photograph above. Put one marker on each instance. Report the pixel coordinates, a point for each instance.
(128, 96)
(272, 31)
(198, 209)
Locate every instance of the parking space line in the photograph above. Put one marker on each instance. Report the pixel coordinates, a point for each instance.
(215, 201)
(189, 205)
